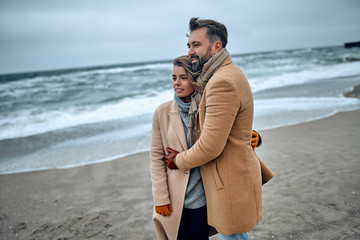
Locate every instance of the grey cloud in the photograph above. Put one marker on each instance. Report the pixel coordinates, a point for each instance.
(41, 34)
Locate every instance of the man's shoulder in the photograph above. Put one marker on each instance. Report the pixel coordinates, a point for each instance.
(228, 75)
(229, 72)
(229, 66)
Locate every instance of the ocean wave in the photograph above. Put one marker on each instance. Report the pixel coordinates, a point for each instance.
(157, 66)
(279, 112)
(306, 75)
(40, 120)
(6, 78)
(60, 99)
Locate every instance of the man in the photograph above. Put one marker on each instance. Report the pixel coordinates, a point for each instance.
(230, 170)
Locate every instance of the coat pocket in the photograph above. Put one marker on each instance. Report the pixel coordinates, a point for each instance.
(216, 176)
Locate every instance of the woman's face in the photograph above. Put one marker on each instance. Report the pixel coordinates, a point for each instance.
(182, 83)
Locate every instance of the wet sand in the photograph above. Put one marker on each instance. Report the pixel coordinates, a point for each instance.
(314, 194)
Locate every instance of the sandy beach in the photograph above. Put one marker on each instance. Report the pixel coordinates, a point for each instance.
(314, 194)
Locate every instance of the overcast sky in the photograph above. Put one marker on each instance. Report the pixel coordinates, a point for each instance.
(42, 34)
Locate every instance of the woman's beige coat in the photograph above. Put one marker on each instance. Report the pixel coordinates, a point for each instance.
(230, 171)
(168, 186)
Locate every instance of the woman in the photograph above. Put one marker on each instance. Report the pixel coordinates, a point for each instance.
(179, 197)
(176, 198)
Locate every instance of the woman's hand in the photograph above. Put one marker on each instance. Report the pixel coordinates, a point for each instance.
(255, 140)
(164, 210)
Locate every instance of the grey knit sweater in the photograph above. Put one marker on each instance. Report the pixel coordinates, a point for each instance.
(195, 193)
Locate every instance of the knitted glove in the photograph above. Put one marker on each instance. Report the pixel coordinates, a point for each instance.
(255, 140)
(164, 210)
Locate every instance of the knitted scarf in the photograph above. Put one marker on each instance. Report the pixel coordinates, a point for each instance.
(207, 72)
(185, 117)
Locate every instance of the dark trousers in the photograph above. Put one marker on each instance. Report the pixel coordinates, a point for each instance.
(193, 224)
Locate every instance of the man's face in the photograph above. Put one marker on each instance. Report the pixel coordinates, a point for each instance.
(200, 49)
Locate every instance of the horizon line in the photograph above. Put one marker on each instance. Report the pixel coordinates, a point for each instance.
(103, 66)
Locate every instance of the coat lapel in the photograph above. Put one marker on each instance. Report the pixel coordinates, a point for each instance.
(177, 124)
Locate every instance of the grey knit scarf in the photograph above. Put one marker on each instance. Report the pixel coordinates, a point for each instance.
(184, 114)
(207, 72)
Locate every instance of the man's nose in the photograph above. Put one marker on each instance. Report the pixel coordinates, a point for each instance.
(191, 51)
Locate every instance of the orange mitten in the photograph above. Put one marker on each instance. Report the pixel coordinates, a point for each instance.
(164, 210)
(255, 140)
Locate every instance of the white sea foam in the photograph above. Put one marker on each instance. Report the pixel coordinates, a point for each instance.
(278, 112)
(307, 75)
(157, 66)
(121, 142)
(38, 121)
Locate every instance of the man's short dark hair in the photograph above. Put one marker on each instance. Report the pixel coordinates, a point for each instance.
(215, 30)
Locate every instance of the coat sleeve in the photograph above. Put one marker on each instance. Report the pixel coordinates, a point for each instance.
(222, 104)
(160, 188)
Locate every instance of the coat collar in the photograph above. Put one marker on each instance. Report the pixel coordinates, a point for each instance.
(177, 124)
(227, 61)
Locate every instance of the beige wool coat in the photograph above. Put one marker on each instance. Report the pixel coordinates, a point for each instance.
(168, 186)
(230, 169)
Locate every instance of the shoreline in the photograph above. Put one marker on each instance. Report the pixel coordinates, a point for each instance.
(314, 193)
(353, 94)
(115, 158)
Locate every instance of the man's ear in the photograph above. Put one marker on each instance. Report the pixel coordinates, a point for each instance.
(217, 46)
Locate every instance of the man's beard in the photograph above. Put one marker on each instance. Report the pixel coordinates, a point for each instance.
(200, 64)
(201, 61)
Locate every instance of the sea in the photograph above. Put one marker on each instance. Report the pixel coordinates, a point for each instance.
(73, 117)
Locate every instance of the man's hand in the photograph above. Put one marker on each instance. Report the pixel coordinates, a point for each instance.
(255, 139)
(170, 159)
(164, 210)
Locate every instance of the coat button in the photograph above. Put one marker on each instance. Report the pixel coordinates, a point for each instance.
(198, 130)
